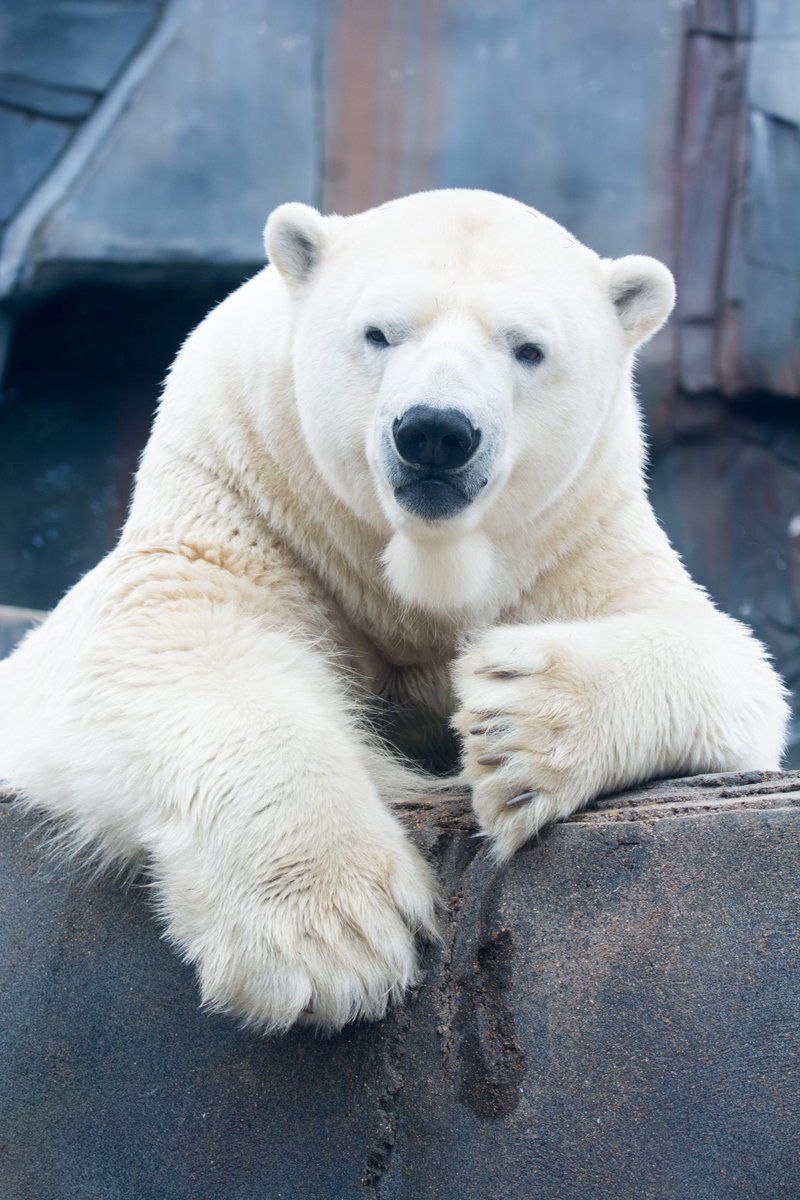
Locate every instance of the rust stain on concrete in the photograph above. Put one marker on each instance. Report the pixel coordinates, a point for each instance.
(384, 103)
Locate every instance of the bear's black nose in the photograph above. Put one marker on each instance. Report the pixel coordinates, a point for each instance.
(435, 437)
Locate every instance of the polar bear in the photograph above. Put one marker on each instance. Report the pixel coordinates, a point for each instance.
(395, 484)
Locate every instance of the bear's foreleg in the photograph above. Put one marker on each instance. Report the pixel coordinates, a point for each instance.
(223, 753)
(281, 873)
(556, 714)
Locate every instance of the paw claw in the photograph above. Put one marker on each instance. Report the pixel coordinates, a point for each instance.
(522, 798)
(498, 671)
(493, 760)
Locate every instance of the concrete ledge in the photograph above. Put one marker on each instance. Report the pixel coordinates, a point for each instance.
(612, 1016)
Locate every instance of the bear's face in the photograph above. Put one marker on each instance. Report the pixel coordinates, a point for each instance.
(455, 354)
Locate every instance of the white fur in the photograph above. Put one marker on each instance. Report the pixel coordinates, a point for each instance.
(196, 700)
(444, 575)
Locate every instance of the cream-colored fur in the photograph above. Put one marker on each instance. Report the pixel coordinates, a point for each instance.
(199, 699)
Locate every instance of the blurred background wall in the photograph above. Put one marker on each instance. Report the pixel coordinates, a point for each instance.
(143, 144)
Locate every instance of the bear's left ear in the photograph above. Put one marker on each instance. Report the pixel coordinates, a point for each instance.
(643, 292)
(294, 236)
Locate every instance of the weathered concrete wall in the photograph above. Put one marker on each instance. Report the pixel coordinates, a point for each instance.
(613, 1017)
(738, 251)
(57, 60)
(148, 137)
(231, 107)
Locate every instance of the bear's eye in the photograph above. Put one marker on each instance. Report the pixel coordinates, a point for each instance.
(529, 353)
(376, 337)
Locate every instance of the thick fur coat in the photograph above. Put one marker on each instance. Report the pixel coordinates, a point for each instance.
(308, 560)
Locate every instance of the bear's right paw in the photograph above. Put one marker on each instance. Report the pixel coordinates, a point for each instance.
(322, 943)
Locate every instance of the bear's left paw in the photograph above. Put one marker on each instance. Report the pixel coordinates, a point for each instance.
(530, 724)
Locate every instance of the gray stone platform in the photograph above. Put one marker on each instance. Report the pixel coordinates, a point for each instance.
(612, 1017)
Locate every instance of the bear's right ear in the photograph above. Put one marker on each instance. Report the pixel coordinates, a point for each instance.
(294, 236)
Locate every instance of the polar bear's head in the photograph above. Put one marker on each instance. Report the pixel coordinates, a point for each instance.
(455, 355)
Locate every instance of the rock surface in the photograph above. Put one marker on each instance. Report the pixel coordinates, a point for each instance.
(738, 244)
(213, 120)
(150, 139)
(611, 1017)
(56, 61)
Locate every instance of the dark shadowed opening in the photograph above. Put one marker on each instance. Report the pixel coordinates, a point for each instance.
(83, 379)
